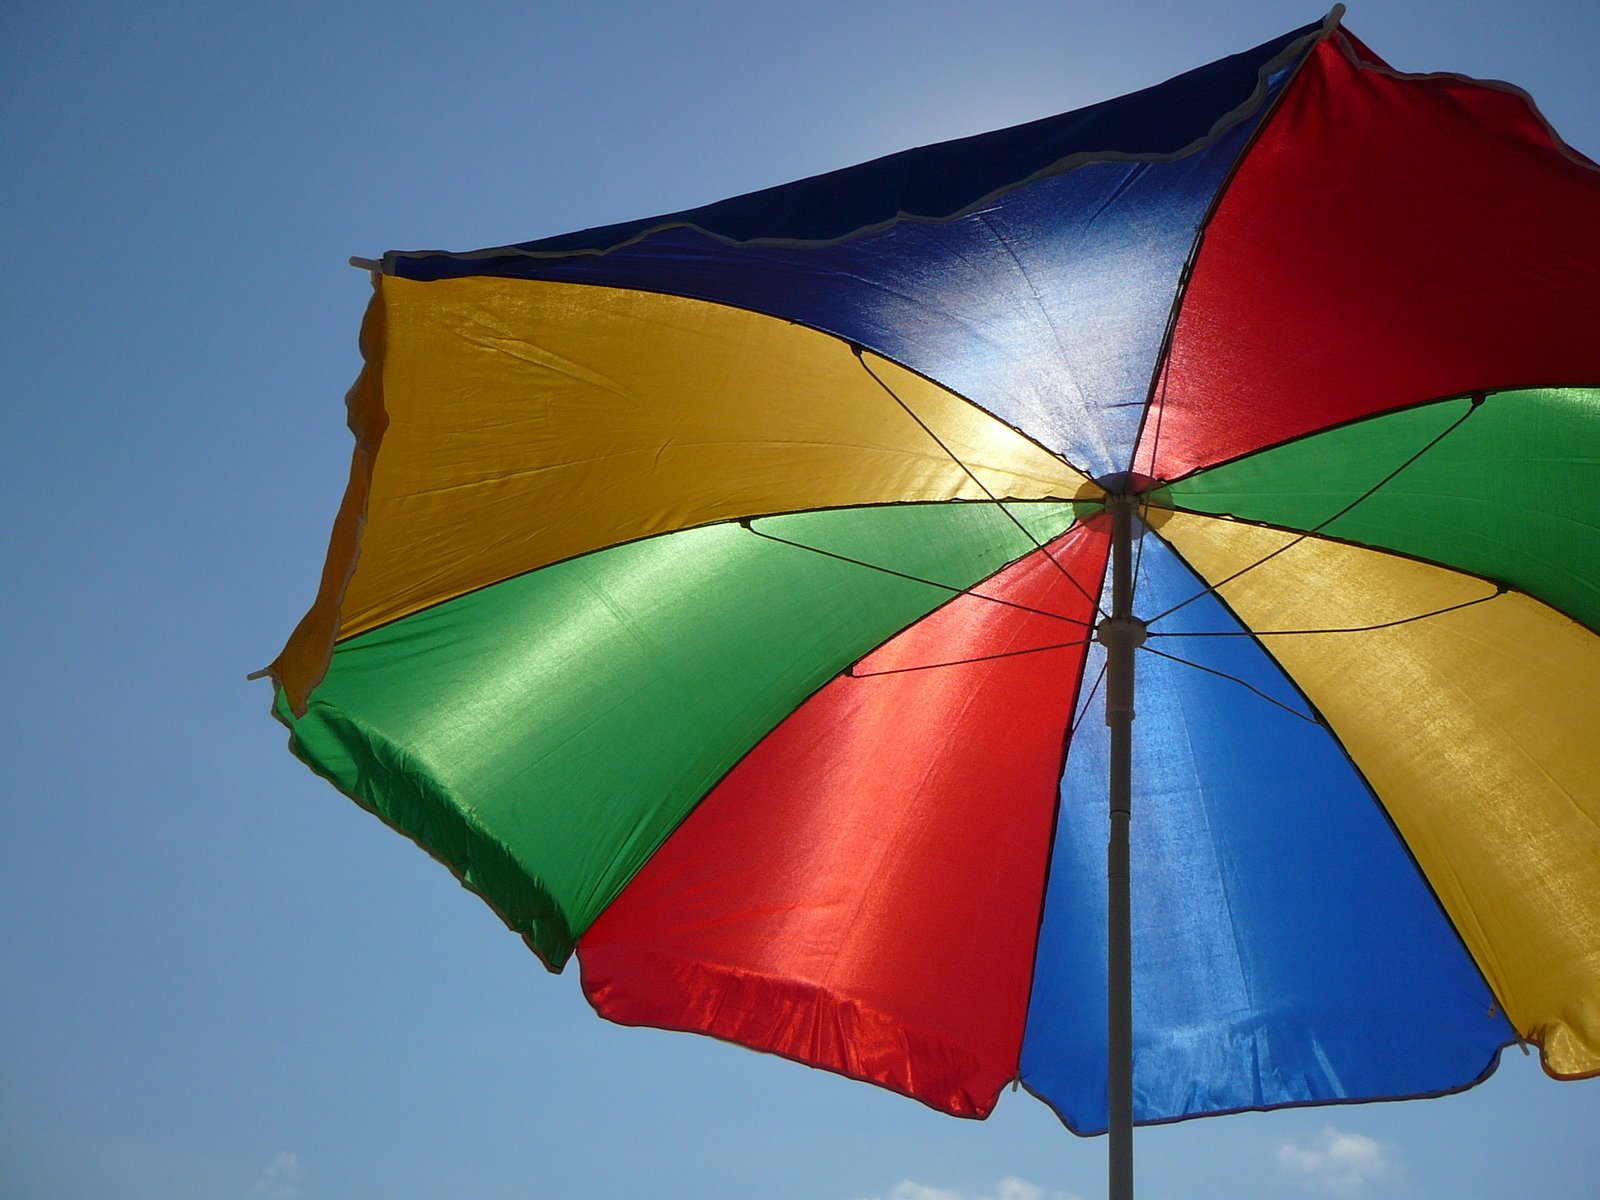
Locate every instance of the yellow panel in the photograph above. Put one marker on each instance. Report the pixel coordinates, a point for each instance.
(532, 421)
(304, 660)
(1480, 731)
(529, 422)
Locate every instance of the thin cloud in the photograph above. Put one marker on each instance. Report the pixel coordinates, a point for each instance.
(281, 1179)
(1009, 1188)
(1342, 1164)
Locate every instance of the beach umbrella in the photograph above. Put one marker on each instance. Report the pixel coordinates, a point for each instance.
(748, 599)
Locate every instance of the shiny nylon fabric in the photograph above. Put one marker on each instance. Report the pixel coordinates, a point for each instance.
(542, 736)
(1387, 241)
(885, 930)
(929, 182)
(1449, 501)
(1478, 727)
(1046, 307)
(1285, 948)
(302, 662)
(667, 544)
(504, 398)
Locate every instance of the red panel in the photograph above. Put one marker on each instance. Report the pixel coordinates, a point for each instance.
(1388, 240)
(862, 892)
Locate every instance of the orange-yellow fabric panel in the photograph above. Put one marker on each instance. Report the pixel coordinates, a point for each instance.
(1479, 729)
(304, 659)
(532, 421)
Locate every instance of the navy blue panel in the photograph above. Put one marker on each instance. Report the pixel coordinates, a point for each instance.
(1286, 950)
(1046, 307)
(940, 180)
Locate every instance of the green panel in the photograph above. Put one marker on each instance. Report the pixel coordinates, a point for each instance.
(544, 735)
(1512, 493)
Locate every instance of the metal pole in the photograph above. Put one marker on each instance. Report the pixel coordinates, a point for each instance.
(1121, 633)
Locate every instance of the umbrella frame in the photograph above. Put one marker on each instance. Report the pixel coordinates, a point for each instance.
(1123, 497)
(1121, 633)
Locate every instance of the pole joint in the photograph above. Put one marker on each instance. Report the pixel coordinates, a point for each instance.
(1121, 636)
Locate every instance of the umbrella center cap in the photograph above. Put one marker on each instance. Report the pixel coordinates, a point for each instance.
(1126, 483)
(1148, 495)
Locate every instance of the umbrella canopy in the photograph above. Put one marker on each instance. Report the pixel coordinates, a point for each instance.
(715, 595)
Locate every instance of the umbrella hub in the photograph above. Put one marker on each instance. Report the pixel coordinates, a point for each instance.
(1127, 483)
(1120, 631)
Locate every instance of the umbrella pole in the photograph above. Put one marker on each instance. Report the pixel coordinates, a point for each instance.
(1121, 633)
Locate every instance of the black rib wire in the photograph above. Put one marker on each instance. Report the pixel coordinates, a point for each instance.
(1160, 402)
(749, 524)
(1232, 678)
(1186, 275)
(1088, 698)
(1266, 633)
(1477, 401)
(855, 673)
(1028, 533)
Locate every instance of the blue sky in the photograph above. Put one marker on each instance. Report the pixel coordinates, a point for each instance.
(221, 980)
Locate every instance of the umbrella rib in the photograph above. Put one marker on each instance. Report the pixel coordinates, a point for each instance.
(749, 524)
(1144, 508)
(856, 673)
(1299, 53)
(1263, 633)
(972, 475)
(1044, 309)
(1157, 397)
(1477, 402)
(1292, 711)
(1088, 699)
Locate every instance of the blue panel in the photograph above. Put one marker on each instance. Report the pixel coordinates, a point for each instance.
(1047, 307)
(1286, 950)
(940, 180)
